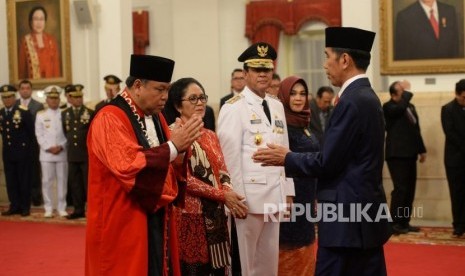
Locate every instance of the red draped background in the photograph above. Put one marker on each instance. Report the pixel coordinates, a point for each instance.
(265, 19)
(140, 29)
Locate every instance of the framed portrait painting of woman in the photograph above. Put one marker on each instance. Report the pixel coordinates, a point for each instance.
(39, 41)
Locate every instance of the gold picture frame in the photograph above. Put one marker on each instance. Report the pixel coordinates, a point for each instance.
(416, 63)
(39, 42)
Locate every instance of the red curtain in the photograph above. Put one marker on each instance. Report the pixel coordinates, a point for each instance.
(140, 30)
(266, 19)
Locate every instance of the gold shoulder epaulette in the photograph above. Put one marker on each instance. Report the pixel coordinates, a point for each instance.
(234, 99)
(23, 107)
(41, 111)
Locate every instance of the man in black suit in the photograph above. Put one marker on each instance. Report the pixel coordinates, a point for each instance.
(453, 124)
(415, 36)
(33, 106)
(76, 122)
(349, 167)
(321, 109)
(17, 129)
(404, 146)
(237, 85)
(209, 118)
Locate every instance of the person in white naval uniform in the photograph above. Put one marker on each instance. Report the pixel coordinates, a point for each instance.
(243, 127)
(53, 158)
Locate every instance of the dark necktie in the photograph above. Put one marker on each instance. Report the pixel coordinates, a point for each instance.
(76, 111)
(267, 110)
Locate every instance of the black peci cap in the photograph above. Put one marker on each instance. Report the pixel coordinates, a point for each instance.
(349, 38)
(151, 68)
(259, 55)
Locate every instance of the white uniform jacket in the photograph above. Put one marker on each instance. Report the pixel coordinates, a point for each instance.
(242, 128)
(49, 133)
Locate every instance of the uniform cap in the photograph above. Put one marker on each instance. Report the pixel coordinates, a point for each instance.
(112, 79)
(8, 90)
(349, 38)
(52, 91)
(151, 68)
(259, 55)
(74, 90)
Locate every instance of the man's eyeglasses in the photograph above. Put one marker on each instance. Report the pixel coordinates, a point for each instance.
(195, 99)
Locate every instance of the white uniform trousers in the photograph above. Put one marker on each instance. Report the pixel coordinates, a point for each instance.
(51, 172)
(258, 243)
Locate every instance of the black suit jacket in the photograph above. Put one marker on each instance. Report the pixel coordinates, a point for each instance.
(33, 107)
(414, 35)
(349, 168)
(100, 104)
(403, 138)
(225, 99)
(17, 129)
(209, 118)
(453, 124)
(315, 122)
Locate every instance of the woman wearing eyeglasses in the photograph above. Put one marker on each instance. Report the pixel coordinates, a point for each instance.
(203, 232)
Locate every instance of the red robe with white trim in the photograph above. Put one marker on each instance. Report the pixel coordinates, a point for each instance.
(125, 182)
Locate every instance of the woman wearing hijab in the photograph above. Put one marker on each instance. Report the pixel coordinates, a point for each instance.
(297, 236)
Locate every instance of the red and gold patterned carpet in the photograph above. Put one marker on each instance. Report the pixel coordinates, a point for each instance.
(37, 215)
(427, 235)
(430, 235)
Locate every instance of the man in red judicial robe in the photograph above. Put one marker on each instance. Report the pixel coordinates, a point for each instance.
(133, 180)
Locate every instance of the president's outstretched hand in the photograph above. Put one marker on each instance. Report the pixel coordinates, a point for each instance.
(273, 155)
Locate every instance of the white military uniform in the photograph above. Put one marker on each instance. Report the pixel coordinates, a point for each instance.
(243, 128)
(49, 132)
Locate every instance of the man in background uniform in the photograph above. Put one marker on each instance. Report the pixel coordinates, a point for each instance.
(68, 98)
(52, 142)
(17, 128)
(76, 121)
(112, 88)
(33, 106)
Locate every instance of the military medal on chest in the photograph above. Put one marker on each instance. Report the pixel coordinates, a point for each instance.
(85, 117)
(67, 120)
(278, 126)
(258, 138)
(17, 118)
(307, 132)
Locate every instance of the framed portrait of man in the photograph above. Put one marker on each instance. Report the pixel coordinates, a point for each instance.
(422, 36)
(39, 41)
